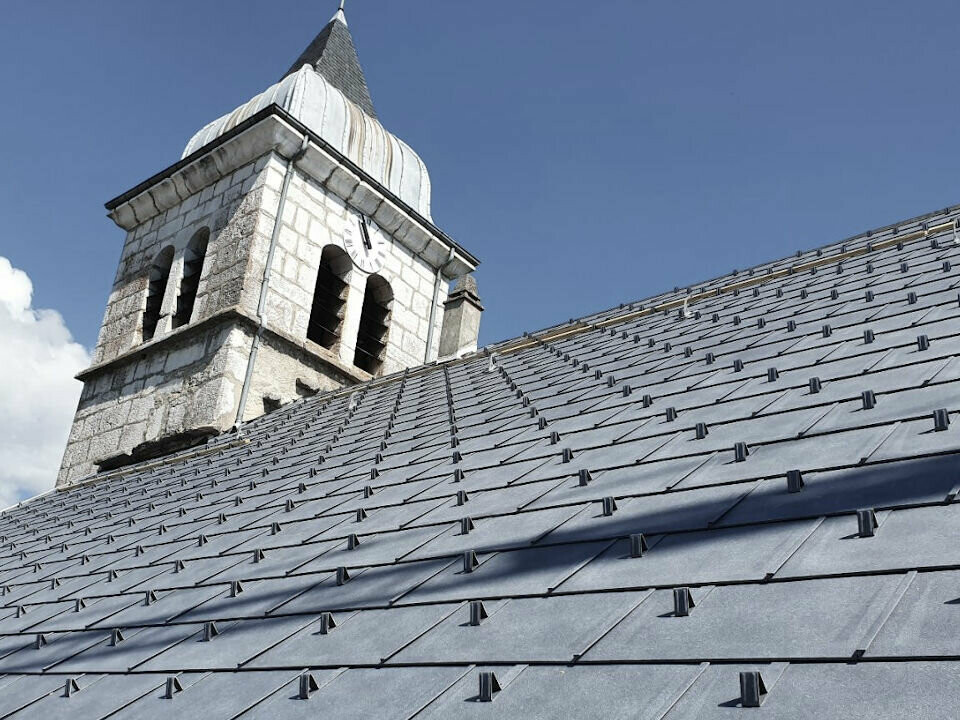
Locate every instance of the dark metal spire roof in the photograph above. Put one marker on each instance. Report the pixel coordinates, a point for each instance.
(333, 54)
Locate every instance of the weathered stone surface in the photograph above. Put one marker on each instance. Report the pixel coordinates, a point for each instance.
(181, 390)
(140, 395)
(461, 319)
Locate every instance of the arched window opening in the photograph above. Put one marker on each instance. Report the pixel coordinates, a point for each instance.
(157, 285)
(374, 325)
(193, 259)
(329, 298)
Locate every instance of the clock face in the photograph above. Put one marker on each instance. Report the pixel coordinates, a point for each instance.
(365, 245)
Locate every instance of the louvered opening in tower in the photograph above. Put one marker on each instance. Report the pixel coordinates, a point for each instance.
(156, 287)
(192, 268)
(329, 298)
(374, 325)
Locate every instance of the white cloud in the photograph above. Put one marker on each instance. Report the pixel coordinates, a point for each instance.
(38, 394)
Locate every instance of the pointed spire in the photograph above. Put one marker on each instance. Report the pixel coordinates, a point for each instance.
(333, 55)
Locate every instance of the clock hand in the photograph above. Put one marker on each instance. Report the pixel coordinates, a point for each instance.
(365, 233)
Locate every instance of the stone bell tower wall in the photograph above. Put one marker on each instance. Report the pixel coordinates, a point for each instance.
(143, 398)
(238, 211)
(184, 391)
(184, 380)
(314, 217)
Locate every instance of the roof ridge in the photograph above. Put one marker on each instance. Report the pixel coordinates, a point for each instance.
(668, 300)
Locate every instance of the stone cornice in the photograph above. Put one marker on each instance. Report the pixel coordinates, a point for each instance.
(274, 130)
(229, 315)
(462, 296)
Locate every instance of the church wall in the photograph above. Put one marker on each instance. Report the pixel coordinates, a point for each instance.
(191, 382)
(182, 379)
(236, 211)
(191, 377)
(314, 218)
(285, 371)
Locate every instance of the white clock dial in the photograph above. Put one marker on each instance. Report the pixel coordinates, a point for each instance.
(365, 245)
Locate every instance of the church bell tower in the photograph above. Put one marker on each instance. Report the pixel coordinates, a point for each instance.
(290, 250)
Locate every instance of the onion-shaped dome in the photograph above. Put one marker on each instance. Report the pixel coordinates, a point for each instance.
(309, 96)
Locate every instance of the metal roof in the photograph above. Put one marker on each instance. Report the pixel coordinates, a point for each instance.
(333, 55)
(677, 513)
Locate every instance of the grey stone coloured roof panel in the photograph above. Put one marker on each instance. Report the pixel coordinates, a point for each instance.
(637, 514)
(209, 695)
(94, 696)
(545, 693)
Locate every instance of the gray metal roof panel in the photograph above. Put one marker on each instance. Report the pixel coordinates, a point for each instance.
(96, 610)
(833, 450)
(910, 538)
(22, 691)
(517, 530)
(193, 571)
(916, 438)
(364, 637)
(96, 696)
(865, 691)
(751, 552)
(278, 558)
(236, 643)
(746, 621)
(715, 693)
(638, 692)
(214, 696)
(517, 572)
(481, 503)
(775, 574)
(885, 485)
(652, 514)
(55, 649)
(368, 587)
(924, 622)
(168, 605)
(31, 615)
(374, 549)
(409, 690)
(138, 646)
(259, 596)
(523, 630)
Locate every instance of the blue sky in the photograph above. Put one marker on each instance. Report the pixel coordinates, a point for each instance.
(588, 153)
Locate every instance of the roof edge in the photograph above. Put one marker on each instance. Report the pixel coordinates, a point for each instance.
(730, 282)
(277, 111)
